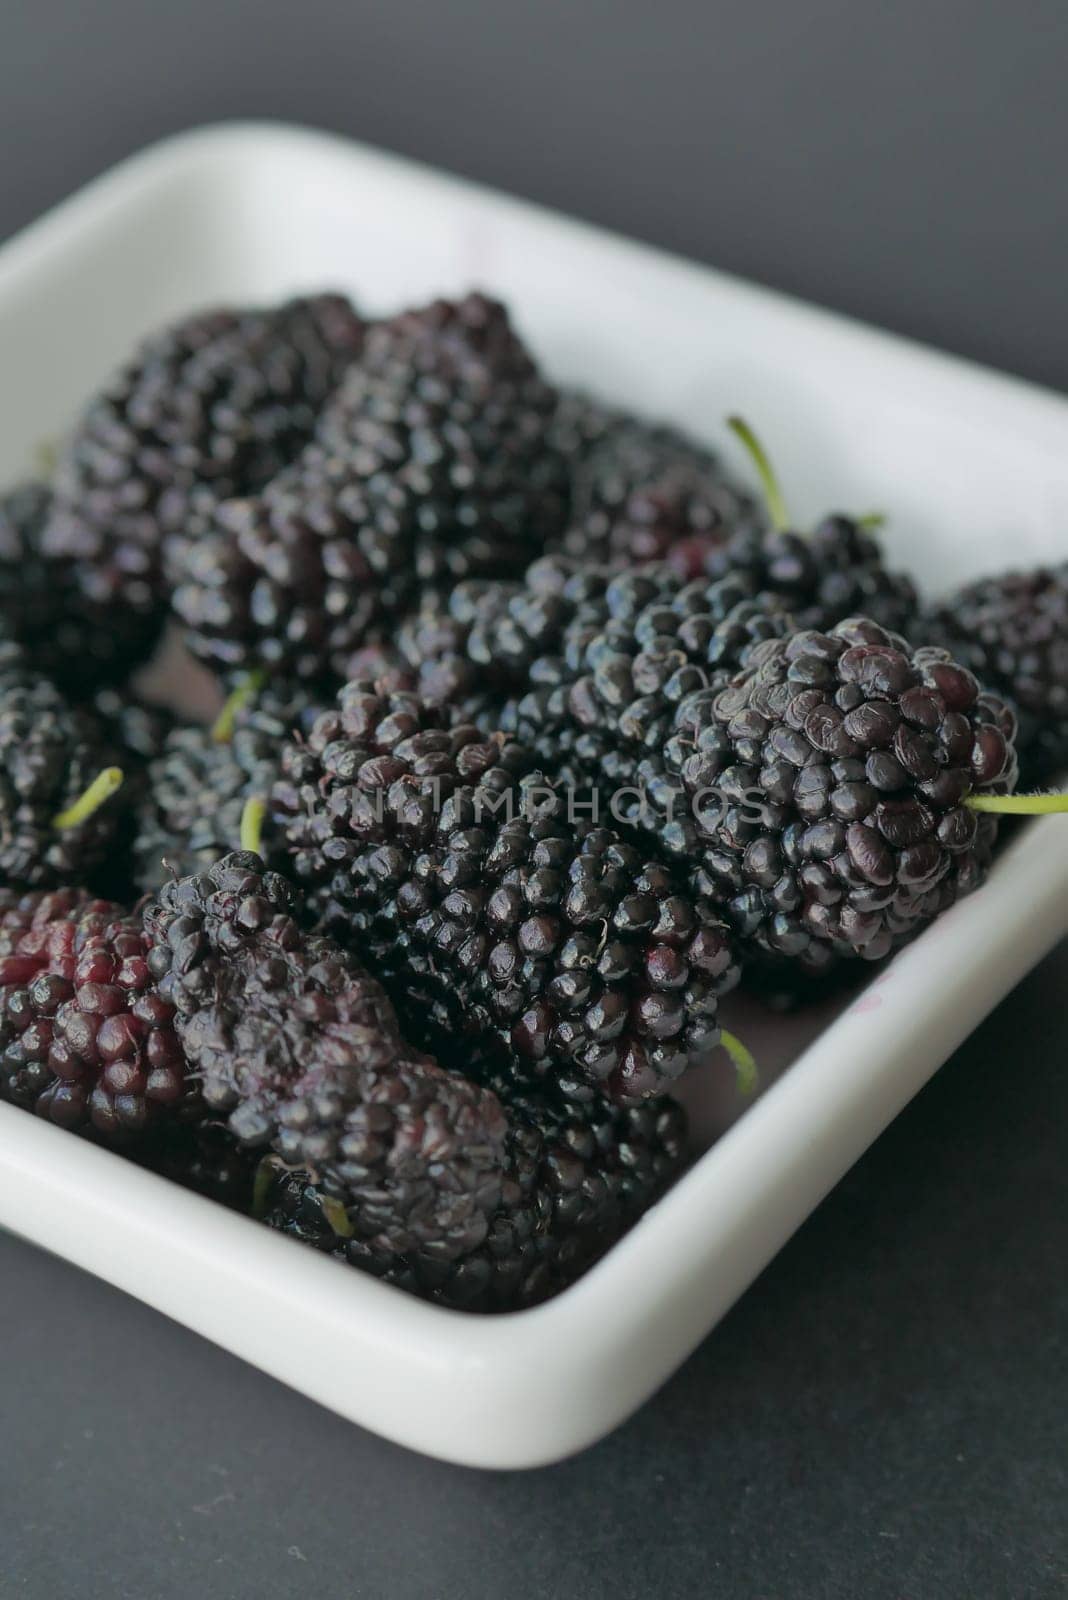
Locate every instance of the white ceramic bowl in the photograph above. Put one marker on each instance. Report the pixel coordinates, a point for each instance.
(972, 469)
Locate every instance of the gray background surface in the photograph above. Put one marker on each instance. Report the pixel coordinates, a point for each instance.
(885, 1412)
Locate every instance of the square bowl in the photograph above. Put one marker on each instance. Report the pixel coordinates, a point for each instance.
(972, 468)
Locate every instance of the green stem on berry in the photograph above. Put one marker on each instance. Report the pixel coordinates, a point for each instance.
(252, 824)
(103, 786)
(1018, 805)
(773, 497)
(337, 1216)
(222, 729)
(745, 1067)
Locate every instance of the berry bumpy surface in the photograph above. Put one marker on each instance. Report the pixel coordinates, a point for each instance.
(489, 912)
(823, 577)
(51, 753)
(581, 663)
(432, 463)
(196, 785)
(1012, 632)
(576, 1177)
(213, 406)
(603, 705)
(585, 668)
(470, 648)
(829, 787)
(85, 1040)
(641, 491)
(299, 1050)
(78, 642)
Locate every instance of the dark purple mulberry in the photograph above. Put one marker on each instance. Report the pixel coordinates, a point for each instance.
(432, 463)
(195, 788)
(822, 577)
(642, 491)
(213, 406)
(77, 641)
(51, 755)
(576, 1177)
(488, 912)
(299, 1050)
(1012, 632)
(829, 787)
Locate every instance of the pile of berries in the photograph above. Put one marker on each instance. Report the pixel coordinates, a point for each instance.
(533, 737)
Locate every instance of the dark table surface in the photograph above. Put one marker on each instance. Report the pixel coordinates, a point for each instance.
(884, 1414)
